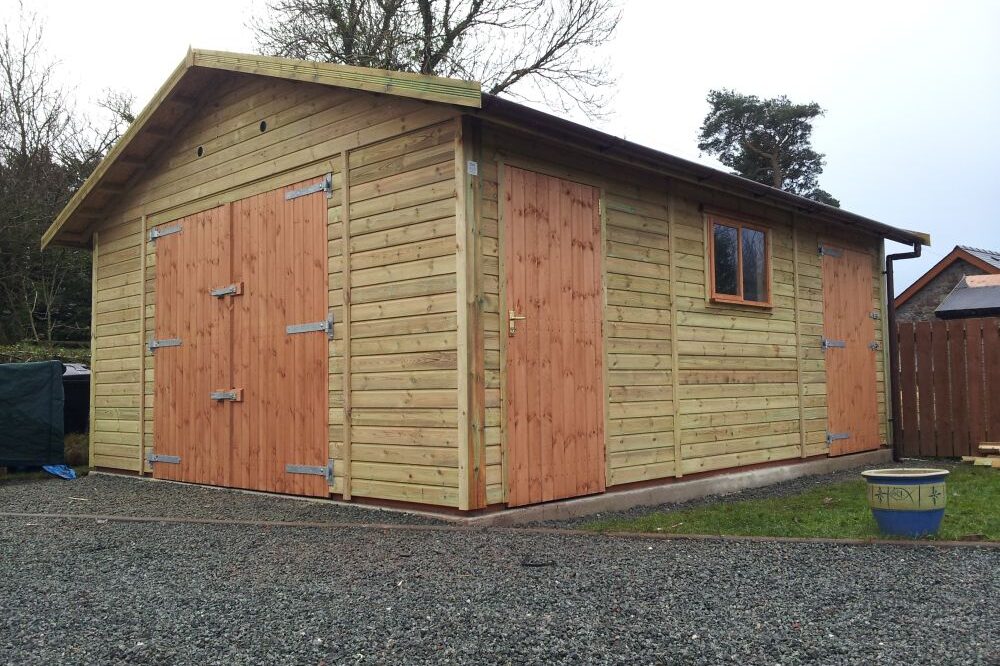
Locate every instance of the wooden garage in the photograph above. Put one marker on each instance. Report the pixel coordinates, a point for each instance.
(331, 281)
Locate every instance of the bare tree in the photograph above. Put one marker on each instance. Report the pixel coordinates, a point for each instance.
(47, 150)
(545, 51)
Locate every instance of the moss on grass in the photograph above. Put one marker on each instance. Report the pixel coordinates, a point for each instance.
(835, 510)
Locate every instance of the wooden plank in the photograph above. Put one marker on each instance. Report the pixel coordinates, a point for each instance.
(943, 442)
(925, 388)
(95, 373)
(991, 364)
(142, 337)
(675, 367)
(976, 373)
(798, 335)
(405, 84)
(346, 287)
(909, 429)
(471, 471)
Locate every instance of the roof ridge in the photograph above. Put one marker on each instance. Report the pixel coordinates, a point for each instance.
(969, 248)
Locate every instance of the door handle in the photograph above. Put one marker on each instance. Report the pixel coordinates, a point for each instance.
(512, 319)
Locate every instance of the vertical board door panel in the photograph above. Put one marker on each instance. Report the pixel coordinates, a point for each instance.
(554, 399)
(279, 251)
(852, 397)
(189, 423)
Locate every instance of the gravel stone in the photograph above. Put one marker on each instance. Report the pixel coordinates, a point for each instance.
(117, 495)
(88, 592)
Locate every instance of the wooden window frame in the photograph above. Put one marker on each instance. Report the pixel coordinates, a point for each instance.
(739, 224)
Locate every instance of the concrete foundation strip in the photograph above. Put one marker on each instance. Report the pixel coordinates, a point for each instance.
(547, 531)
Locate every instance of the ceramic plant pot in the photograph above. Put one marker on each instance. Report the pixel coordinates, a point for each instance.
(907, 501)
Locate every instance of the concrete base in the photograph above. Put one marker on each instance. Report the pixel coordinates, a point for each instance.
(677, 491)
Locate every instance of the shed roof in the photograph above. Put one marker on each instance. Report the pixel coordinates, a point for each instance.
(174, 105)
(973, 296)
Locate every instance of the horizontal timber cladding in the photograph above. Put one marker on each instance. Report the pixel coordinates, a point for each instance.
(399, 393)
(692, 385)
(402, 230)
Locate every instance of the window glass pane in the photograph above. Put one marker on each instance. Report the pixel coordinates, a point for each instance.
(726, 265)
(754, 266)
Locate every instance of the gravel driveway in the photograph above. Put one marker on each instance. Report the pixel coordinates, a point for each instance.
(80, 591)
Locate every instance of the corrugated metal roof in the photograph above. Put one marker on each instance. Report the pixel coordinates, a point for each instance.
(991, 257)
(974, 295)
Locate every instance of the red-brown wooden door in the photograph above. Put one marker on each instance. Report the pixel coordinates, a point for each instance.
(554, 398)
(280, 256)
(191, 435)
(273, 250)
(848, 334)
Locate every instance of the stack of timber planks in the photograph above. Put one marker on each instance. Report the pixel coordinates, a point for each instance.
(990, 456)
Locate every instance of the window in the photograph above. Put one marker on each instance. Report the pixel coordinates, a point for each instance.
(740, 258)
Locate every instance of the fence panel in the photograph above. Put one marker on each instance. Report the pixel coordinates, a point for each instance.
(949, 384)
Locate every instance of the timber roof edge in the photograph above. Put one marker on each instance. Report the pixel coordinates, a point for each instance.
(401, 84)
(560, 129)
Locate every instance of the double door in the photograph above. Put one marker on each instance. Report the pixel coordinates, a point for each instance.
(241, 346)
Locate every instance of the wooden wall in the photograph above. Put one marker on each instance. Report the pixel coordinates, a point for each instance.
(693, 386)
(402, 229)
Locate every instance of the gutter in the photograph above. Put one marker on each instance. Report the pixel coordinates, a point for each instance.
(897, 409)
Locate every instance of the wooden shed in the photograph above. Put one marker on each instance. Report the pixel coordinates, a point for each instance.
(331, 281)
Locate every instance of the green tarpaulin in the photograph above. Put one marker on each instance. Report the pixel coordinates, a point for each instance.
(31, 414)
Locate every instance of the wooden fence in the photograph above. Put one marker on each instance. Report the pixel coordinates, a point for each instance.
(950, 385)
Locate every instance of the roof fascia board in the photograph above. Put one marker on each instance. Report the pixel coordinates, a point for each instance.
(400, 84)
(520, 117)
(134, 129)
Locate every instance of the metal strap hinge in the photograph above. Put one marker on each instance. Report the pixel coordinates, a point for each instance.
(316, 470)
(326, 185)
(875, 314)
(160, 232)
(831, 437)
(163, 458)
(828, 344)
(326, 325)
(828, 251)
(232, 290)
(232, 395)
(874, 345)
(165, 342)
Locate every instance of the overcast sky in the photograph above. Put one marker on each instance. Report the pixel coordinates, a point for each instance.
(912, 90)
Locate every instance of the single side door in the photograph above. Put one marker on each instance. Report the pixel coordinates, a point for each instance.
(848, 350)
(554, 399)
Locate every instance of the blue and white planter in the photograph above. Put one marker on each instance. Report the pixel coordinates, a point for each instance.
(907, 502)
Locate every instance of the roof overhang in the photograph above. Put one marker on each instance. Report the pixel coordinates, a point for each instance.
(506, 112)
(175, 103)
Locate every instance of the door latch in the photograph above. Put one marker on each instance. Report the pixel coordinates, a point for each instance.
(231, 290)
(512, 319)
(232, 395)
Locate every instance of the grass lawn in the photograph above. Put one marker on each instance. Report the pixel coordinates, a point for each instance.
(835, 510)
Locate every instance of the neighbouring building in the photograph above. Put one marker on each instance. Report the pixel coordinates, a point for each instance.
(919, 301)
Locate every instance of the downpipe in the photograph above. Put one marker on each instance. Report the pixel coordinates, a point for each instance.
(890, 291)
